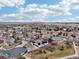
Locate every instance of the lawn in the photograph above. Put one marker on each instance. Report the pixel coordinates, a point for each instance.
(55, 54)
(50, 52)
(63, 53)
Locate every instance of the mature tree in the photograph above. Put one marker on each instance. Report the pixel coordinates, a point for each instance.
(56, 28)
(61, 47)
(67, 44)
(50, 40)
(1, 41)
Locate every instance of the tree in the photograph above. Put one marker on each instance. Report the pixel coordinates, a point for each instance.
(61, 47)
(1, 41)
(67, 44)
(73, 35)
(60, 33)
(46, 57)
(61, 28)
(56, 28)
(50, 40)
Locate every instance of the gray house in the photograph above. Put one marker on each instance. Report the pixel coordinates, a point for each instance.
(13, 52)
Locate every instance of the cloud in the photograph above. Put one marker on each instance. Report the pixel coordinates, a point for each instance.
(74, 19)
(44, 10)
(62, 8)
(11, 3)
(39, 13)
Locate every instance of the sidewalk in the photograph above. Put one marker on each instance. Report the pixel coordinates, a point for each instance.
(71, 56)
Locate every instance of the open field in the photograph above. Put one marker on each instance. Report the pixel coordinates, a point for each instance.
(55, 54)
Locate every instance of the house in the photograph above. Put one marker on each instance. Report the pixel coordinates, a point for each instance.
(2, 57)
(13, 52)
(40, 43)
(9, 41)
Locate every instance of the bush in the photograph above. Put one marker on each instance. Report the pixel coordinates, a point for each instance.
(1, 41)
(61, 47)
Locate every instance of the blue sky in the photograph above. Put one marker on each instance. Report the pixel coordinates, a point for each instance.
(39, 10)
(42, 1)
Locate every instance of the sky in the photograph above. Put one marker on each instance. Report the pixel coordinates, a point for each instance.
(39, 10)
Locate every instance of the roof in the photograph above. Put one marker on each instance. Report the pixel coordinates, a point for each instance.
(2, 57)
(15, 52)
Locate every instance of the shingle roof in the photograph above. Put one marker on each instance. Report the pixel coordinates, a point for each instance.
(14, 52)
